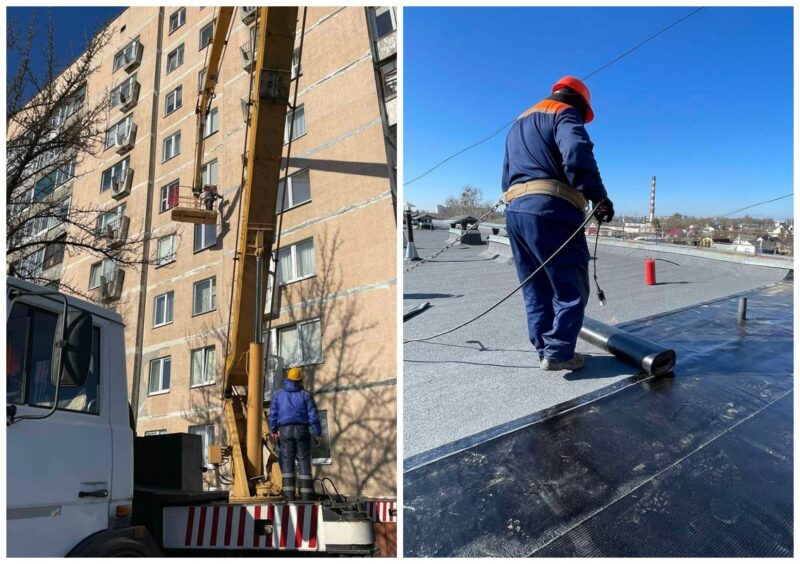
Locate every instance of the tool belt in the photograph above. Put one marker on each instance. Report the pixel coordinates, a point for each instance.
(546, 186)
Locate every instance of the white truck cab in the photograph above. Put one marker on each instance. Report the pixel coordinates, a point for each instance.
(70, 463)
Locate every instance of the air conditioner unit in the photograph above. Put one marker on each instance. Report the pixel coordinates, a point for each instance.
(111, 287)
(121, 185)
(248, 57)
(125, 139)
(132, 60)
(115, 235)
(128, 99)
(248, 14)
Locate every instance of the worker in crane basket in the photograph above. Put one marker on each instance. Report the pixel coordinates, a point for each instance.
(549, 173)
(293, 418)
(210, 195)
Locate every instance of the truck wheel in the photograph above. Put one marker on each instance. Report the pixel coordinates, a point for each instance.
(127, 542)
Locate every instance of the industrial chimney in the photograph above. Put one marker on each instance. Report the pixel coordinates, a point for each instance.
(652, 199)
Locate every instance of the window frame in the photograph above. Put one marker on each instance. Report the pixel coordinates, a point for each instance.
(208, 438)
(204, 351)
(169, 306)
(290, 203)
(374, 20)
(296, 326)
(202, 228)
(121, 53)
(211, 119)
(300, 108)
(179, 53)
(170, 258)
(178, 12)
(101, 265)
(213, 291)
(162, 360)
(163, 203)
(178, 94)
(173, 141)
(200, 35)
(293, 257)
(124, 165)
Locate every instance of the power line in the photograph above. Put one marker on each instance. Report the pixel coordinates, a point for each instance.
(594, 72)
(760, 204)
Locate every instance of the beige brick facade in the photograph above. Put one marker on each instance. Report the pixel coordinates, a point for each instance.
(348, 152)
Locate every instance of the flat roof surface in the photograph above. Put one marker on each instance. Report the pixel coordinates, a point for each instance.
(483, 380)
(698, 463)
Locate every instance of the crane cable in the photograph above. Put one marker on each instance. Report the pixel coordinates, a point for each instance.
(594, 72)
(589, 217)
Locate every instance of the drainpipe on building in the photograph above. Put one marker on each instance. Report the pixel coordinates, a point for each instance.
(390, 147)
(148, 224)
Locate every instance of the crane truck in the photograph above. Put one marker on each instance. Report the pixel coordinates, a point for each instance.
(79, 482)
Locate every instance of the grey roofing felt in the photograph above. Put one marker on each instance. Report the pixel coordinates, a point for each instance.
(486, 374)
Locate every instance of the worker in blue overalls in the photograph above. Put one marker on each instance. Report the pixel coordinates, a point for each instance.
(549, 173)
(293, 418)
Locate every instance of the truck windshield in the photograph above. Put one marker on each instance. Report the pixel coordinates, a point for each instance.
(29, 341)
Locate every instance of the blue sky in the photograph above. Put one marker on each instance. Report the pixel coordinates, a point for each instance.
(706, 107)
(73, 28)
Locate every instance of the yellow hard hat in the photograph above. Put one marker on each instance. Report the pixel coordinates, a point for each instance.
(294, 374)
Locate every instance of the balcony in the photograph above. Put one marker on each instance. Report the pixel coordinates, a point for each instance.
(386, 46)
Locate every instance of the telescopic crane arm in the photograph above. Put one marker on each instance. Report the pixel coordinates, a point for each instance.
(244, 364)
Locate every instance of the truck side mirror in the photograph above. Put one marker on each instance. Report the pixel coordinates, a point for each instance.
(73, 356)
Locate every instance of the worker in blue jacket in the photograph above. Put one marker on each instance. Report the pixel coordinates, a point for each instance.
(292, 418)
(549, 173)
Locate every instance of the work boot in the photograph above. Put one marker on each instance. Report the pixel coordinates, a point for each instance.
(575, 363)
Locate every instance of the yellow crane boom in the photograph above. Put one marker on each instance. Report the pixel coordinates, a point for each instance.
(244, 363)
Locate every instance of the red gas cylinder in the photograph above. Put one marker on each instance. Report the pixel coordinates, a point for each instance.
(650, 272)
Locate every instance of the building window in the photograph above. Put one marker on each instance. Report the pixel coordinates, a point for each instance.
(156, 431)
(177, 19)
(174, 100)
(212, 123)
(175, 58)
(205, 296)
(201, 76)
(209, 173)
(121, 127)
(159, 375)
(299, 191)
(389, 79)
(115, 173)
(105, 268)
(296, 67)
(205, 236)
(296, 262)
(299, 124)
(169, 196)
(110, 219)
(166, 250)
(206, 35)
(300, 344)
(162, 309)
(384, 21)
(322, 454)
(54, 253)
(172, 146)
(125, 55)
(124, 90)
(204, 367)
(31, 265)
(207, 433)
(69, 107)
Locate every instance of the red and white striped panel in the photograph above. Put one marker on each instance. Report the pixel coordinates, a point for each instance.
(295, 527)
(382, 511)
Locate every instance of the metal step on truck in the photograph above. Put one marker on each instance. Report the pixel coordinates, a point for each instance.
(80, 484)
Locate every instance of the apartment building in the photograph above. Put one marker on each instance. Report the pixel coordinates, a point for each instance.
(332, 305)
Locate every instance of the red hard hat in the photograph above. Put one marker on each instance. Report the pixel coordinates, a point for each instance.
(580, 87)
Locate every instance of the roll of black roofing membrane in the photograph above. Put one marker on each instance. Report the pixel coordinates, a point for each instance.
(647, 355)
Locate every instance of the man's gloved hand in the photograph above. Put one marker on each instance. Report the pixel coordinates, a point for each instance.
(605, 211)
(275, 436)
(318, 441)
